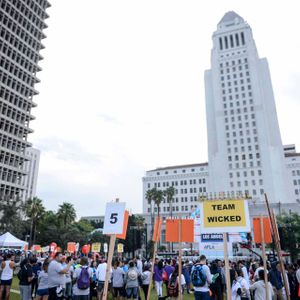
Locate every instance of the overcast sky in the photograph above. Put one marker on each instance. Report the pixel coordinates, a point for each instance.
(122, 91)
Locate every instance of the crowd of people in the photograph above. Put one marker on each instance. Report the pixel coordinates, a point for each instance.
(82, 278)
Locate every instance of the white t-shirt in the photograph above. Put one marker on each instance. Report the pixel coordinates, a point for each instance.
(101, 272)
(43, 280)
(235, 286)
(245, 273)
(256, 272)
(260, 290)
(208, 279)
(298, 275)
(244, 285)
(76, 290)
(54, 278)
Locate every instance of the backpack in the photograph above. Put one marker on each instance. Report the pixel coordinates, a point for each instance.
(173, 286)
(132, 274)
(164, 276)
(198, 276)
(83, 281)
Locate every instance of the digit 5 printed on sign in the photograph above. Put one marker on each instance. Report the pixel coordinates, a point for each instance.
(114, 218)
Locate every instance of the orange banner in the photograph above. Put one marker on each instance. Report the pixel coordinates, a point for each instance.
(71, 248)
(187, 230)
(257, 231)
(157, 229)
(125, 225)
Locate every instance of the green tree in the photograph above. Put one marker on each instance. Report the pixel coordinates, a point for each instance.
(169, 194)
(289, 227)
(10, 211)
(34, 211)
(66, 214)
(158, 197)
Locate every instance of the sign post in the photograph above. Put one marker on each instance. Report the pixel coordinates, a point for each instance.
(113, 225)
(155, 239)
(180, 258)
(227, 273)
(278, 247)
(264, 255)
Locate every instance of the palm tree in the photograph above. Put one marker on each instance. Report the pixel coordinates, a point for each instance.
(149, 197)
(169, 194)
(66, 213)
(34, 210)
(158, 197)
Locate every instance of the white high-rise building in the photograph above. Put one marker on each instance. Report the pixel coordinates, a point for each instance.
(245, 151)
(31, 169)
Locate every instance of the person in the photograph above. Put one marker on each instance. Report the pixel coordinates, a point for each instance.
(276, 280)
(261, 267)
(131, 281)
(242, 266)
(201, 279)
(93, 286)
(68, 278)
(139, 264)
(7, 266)
(187, 276)
(216, 285)
(118, 281)
(260, 288)
(245, 287)
(101, 274)
(56, 278)
(146, 280)
(173, 285)
(158, 271)
(36, 269)
(236, 289)
(81, 280)
(292, 282)
(168, 269)
(42, 292)
(25, 276)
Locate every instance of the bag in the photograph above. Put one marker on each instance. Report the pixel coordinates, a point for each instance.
(198, 276)
(83, 281)
(173, 286)
(165, 276)
(132, 274)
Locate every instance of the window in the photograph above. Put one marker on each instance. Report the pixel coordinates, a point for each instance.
(220, 45)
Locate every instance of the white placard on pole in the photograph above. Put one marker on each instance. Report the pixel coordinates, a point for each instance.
(114, 218)
(105, 247)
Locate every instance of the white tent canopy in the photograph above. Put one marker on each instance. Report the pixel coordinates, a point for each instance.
(8, 240)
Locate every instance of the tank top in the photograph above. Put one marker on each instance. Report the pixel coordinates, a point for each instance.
(7, 272)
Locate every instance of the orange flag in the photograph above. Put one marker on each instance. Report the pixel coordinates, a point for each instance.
(257, 231)
(157, 229)
(125, 225)
(187, 230)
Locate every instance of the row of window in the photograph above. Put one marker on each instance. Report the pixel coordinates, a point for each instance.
(11, 159)
(13, 69)
(13, 144)
(242, 149)
(9, 190)
(240, 125)
(245, 173)
(176, 183)
(13, 129)
(10, 175)
(296, 182)
(248, 140)
(235, 82)
(239, 118)
(231, 41)
(243, 157)
(13, 113)
(19, 102)
(24, 21)
(233, 62)
(175, 171)
(296, 172)
(244, 165)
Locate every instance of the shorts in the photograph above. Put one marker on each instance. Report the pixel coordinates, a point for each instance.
(42, 292)
(119, 292)
(100, 286)
(6, 282)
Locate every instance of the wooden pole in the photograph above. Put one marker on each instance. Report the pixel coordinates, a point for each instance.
(227, 273)
(152, 268)
(264, 256)
(278, 247)
(180, 259)
(112, 243)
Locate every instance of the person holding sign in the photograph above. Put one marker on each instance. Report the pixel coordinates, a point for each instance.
(201, 279)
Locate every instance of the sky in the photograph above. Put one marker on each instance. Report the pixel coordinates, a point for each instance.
(122, 91)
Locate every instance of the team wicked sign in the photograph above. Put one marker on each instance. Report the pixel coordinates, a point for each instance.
(231, 215)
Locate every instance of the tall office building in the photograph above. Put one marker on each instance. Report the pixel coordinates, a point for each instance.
(245, 151)
(31, 167)
(21, 33)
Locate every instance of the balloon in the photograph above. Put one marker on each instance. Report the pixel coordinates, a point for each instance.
(85, 249)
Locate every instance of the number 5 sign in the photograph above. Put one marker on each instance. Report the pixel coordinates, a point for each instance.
(114, 218)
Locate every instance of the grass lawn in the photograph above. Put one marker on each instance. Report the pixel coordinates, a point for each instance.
(15, 286)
